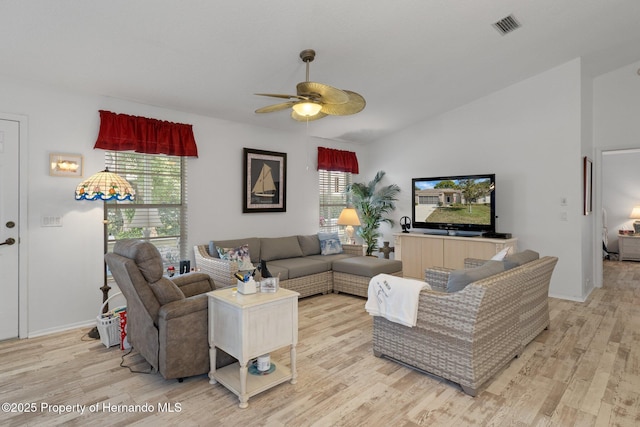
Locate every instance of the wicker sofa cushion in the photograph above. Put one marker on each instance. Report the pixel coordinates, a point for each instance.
(310, 245)
(272, 248)
(278, 271)
(520, 258)
(166, 291)
(330, 259)
(253, 242)
(367, 266)
(459, 279)
(299, 267)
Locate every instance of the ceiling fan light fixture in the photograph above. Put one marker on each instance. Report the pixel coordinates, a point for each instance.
(314, 100)
(307, 108)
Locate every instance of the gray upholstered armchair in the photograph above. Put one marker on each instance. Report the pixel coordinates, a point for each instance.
(167, 320)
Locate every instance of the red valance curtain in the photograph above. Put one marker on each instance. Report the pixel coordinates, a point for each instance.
(337, 160)
(121, 132)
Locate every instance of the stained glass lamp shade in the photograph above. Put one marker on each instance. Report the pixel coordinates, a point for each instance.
(105, 186)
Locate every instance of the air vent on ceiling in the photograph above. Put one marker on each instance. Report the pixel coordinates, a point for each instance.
(507, 25)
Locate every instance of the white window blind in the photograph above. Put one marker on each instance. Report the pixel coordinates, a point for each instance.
(333, 198)
(159, 211)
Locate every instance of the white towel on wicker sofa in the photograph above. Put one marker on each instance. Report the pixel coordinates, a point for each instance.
(394, 298)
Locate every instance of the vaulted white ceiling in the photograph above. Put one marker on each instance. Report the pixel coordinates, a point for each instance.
(410, 59)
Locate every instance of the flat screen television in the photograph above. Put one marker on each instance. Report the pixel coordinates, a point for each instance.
(455, 205)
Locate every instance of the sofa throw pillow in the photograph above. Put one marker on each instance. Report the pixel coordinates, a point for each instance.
(500, 255)
(253, 242)
(166, 291)
(520, 258)
(213, 251)
(329, 243)
(459, 279)
(240, 255)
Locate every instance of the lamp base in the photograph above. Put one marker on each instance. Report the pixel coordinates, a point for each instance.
(636, 227)
(349, 232)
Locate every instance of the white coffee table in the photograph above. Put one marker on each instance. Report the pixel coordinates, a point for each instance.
(247, 326)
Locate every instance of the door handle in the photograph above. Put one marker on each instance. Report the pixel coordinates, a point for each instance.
(10, 241)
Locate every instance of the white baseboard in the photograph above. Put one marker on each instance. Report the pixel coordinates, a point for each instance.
(49, 331)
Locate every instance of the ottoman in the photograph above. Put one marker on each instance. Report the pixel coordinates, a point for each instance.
(352, 275)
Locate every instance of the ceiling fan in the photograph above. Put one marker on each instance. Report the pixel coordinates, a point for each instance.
(313, 100)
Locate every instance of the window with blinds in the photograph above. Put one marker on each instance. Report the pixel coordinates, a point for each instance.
(333, 198)
(159, 211)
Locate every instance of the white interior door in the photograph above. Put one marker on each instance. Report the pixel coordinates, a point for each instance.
(9, 226)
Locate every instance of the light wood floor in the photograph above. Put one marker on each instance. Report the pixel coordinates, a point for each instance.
(584, 371)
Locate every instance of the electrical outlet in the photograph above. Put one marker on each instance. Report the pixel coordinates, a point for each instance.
(563, 216)
(51, 221)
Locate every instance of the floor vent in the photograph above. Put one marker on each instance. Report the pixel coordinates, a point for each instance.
(507, 25)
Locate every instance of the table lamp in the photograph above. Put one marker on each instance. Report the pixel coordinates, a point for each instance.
(635, 214)
(349, 217)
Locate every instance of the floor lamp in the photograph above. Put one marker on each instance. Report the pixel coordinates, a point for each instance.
(104, 186)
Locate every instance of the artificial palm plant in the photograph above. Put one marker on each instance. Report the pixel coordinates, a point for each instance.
(373, 205)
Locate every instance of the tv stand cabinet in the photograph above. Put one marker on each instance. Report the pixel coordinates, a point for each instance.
(420, 251)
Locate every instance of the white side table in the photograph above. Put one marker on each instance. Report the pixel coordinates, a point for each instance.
(247, 326)
(629, 247)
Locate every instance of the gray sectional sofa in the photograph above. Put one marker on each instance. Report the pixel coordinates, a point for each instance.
(298, 261)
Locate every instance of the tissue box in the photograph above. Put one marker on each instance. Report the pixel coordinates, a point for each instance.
(247, 287)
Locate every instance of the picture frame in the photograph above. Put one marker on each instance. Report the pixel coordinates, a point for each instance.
(66, 165)
(587, 185)
(269, 284)
(264, 181)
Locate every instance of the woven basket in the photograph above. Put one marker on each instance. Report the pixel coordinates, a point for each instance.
(109, 328)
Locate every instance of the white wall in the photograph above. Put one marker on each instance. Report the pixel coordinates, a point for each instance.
(65, 263)
(616, 136)
(529, 135)
(587, 234)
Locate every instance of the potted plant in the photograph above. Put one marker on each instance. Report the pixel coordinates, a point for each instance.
(373, 205)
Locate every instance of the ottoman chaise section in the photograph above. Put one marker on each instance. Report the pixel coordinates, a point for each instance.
(352, 275)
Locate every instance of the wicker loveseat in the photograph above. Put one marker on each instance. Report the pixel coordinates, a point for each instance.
(469, 335)
(299, 263)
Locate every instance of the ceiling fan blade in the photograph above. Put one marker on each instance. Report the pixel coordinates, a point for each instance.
(276, 107)
(278, 95)
(333, 101)
(323, 93)
(298, 117)
(355, 104)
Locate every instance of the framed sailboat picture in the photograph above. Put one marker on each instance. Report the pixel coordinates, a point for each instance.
(265, 181)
